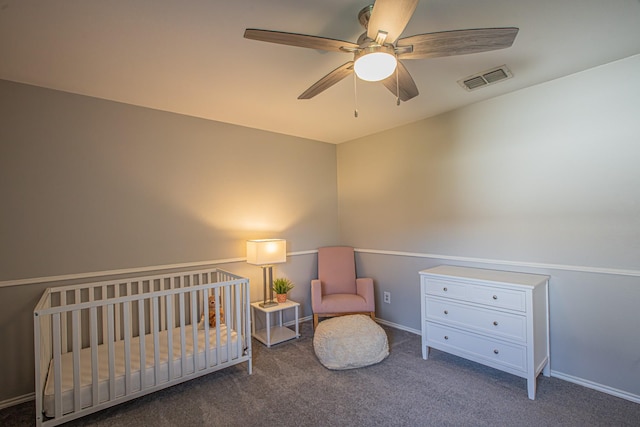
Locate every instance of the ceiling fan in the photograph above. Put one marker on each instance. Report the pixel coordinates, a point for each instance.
(378, 52)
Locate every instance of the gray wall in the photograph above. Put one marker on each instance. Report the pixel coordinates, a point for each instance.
(543, 180)
(92, 185)
(89, 185)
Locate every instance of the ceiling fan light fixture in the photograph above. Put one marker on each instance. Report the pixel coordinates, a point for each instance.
(375, 63)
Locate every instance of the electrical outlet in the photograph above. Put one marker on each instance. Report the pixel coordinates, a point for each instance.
(387, 297)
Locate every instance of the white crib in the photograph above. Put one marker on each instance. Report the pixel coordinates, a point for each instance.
(100, 344)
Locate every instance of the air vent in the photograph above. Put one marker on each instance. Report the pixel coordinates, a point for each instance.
(485, 78)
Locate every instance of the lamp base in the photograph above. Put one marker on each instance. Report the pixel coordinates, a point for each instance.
(268, 304)
(268, 300)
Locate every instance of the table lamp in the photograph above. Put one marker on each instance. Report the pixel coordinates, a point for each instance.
(265, 253)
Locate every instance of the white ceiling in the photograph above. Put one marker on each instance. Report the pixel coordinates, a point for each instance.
(190, 57)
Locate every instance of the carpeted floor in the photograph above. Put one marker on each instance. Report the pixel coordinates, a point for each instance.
(290, 388)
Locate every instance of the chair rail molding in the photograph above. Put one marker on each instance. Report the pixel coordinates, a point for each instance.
(548, 266)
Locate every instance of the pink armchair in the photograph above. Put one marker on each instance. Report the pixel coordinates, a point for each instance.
(336, 291)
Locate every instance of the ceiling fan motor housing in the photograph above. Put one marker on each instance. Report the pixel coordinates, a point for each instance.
(364, 15)
(373, 47)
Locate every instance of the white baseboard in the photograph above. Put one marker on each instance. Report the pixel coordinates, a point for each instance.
(302, 319)
(17, 400)
(398, 326)
(381, 321)
(595, 386)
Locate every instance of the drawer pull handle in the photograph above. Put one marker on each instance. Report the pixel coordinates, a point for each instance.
(446, 312)
(445, 289)
(495, 323)
(446, 337)
(496, 351)
(495, 297)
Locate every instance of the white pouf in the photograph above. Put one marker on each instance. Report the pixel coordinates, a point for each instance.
(348, 342)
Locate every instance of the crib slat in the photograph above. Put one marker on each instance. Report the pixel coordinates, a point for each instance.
(233, 323)
(183, 338)
(156, 342)
(162, 324)
(95, 392)
(169, 311)
(194, 329)
(38, 365)
(246, 330)
(224, 300)
(111, 352)
(116, 314)
(239, 319)
(218, 327)
(227, 309)
(126, 321)
(151, 319)
(57, 371)
(206, 325)
(75, 325)
(63, 326)
(122, 291)
(141, 340)
(103, 299)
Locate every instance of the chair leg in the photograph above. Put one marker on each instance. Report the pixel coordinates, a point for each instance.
(373, 315)
(315, 321)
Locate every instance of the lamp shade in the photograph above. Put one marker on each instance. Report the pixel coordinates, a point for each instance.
(266, 251)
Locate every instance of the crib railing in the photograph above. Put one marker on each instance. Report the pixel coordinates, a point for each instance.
(76, 317)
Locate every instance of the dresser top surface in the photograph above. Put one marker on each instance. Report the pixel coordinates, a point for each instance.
(494, 276)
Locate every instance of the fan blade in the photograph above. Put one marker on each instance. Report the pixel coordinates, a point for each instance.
(390, 16)
(300, 40)
(408, 88)
(329, 80)
(460, 42)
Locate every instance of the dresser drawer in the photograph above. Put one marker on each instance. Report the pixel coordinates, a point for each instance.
(498, 297)
(446, 288)
(491, 322)
(477, 347)
(491, 296)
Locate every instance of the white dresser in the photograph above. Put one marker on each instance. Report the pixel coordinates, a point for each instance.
(497, 318)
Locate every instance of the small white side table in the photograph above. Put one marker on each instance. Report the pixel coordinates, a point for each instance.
(274, 334)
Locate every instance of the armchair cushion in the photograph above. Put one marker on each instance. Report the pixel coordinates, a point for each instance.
(337, 270)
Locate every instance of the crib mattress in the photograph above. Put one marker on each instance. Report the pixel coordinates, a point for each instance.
(149, 372)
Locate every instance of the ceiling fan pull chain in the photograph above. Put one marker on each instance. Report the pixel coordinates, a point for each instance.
(397, 88)
(355, 95)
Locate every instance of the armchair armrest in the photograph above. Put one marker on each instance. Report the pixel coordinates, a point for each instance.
(364, 288)
(316, 294)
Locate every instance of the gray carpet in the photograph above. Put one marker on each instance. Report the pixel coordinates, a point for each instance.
(290, 388)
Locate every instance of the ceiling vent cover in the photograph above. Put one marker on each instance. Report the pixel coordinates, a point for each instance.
(485, 78)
